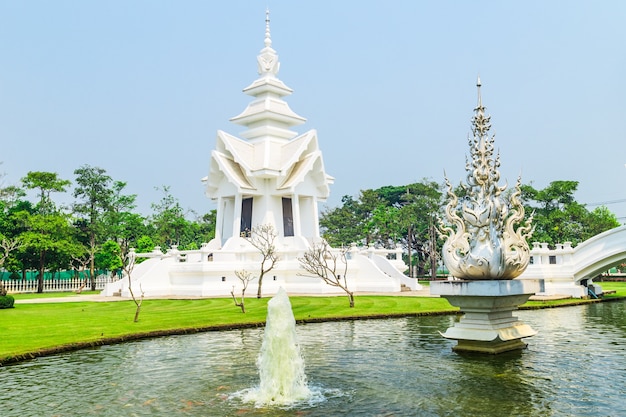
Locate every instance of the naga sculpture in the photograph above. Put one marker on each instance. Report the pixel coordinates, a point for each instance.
(486, 232)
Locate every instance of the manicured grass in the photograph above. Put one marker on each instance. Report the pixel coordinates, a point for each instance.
(42, 328)
(618, 287)
(30, 330)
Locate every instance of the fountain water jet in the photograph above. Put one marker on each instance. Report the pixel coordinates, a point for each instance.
(281, 366)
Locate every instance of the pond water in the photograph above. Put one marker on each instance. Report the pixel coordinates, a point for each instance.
(575, 366)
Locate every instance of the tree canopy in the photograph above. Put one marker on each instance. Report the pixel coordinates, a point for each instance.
(559, 218)
(44, 236)
(407, 215)
(102, 216)
(390, 216)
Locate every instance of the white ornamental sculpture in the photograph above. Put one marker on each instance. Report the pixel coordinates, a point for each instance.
(485, 235)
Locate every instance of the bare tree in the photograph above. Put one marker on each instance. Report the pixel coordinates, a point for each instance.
(322, 262)
(128, 264)
(245, 277)
(6, 247)
(80, 263)
(262, 237)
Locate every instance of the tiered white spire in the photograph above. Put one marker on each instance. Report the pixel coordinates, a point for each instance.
(268, 149)
(268, 116)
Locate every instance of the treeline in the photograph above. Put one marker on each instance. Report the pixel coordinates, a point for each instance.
(409, 215)
(101, 225)
(95, 231)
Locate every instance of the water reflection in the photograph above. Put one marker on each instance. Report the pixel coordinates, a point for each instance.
(576, 365)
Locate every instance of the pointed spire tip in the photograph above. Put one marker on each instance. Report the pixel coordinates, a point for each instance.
(268, 37)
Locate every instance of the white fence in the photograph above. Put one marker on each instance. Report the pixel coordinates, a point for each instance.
(55, 285)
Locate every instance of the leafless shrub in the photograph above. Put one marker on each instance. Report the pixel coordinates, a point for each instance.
(262, 237)
(245, 277)
(331, 266)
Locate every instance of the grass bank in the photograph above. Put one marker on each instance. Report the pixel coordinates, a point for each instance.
(32, 330)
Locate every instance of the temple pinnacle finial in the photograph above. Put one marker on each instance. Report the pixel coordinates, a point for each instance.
(268, 59)
(480, 120)
(478, 85)
(268, 38)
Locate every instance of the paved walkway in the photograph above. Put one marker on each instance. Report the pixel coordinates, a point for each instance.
(548, 297)
(68, 299)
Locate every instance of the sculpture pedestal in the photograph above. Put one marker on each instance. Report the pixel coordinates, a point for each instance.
(488, 325)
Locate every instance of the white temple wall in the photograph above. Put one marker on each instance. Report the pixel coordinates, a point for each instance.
(306, 197)
(260, 213)
(226, 211)
(267, 210)
(309, 217)
(225, 218)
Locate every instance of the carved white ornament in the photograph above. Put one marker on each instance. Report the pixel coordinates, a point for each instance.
(268, 63)
(485, 235)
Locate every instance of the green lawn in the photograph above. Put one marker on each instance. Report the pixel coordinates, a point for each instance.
(40, 328)
(35, 329)
(618, 287)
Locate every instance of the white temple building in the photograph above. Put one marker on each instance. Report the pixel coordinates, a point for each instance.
(269, 176)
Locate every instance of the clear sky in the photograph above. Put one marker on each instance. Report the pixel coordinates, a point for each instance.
(140, 88)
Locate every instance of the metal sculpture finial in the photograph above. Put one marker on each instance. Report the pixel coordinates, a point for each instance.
(490, 239)
(480, 121)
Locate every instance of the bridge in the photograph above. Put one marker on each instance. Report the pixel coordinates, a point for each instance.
(565, 267)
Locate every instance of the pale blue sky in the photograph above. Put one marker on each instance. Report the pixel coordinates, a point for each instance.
(141, 87)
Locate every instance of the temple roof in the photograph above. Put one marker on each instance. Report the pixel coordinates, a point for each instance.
(244, 163)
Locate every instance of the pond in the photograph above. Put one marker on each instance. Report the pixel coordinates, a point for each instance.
(575, 366)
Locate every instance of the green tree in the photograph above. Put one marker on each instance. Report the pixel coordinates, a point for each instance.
(600, 220)
(46, 183)
(49, 237)
(420, 210)
(108, 257)
(204, 227)
(93, 189)
(169, 220)
(122, 224)
(352, 222)
(559, 218)
(388, 216)
(11, 194)
(342, 226)
(369, 202)
(13, 226)
(49, 242)
(145, 244)
(383, 226)
(112, 258)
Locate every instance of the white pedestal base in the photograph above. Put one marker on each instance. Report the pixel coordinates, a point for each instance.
(488, 325)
